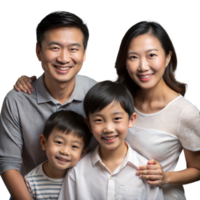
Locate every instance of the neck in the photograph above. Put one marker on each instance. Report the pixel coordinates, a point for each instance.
(155, 93)
(51, 172)
(113, 158)
(61, 91)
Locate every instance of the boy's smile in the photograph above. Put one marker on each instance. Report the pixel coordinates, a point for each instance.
(110, 125)
(63, 151)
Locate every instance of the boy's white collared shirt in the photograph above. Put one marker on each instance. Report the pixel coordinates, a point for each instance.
(90, 179)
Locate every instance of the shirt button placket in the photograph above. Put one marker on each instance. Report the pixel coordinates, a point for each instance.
(111, 188)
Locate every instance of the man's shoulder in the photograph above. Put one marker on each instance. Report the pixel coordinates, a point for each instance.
(85, 81)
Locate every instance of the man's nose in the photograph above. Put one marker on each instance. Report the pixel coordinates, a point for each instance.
(64, 56)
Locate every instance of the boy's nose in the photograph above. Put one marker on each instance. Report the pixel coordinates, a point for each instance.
(65, 151)
(108, 128)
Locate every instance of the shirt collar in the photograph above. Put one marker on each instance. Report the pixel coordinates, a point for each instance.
(131, 157)
(43, 95)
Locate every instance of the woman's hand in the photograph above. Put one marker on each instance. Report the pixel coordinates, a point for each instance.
(24, 84)
(152, 172)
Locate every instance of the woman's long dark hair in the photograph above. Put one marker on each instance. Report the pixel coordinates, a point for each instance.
(156, 30)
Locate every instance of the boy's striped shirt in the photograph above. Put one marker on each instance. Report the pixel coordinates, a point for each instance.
(42, 187)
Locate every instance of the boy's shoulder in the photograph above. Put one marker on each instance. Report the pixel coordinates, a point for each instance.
(36, 172)
(137, 158)
(83, 165)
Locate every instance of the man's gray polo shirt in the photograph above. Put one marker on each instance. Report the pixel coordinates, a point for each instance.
(23, 118)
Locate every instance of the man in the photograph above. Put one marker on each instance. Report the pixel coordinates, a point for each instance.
(61, 47)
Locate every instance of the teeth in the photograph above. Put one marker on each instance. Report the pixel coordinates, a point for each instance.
(63, 69)
(147, 76)
(110, 138)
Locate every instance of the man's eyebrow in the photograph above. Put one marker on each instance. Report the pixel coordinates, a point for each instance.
(57, 43)
(132, 52)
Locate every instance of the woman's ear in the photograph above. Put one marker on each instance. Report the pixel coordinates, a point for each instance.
(168, 58)
(43, 142)
(132, 120)
(88, 123)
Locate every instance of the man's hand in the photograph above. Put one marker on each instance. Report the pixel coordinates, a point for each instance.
(23, 83)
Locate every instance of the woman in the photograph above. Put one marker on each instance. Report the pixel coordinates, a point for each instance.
(166, 122)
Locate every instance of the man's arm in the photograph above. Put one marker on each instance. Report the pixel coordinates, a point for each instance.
(16, 185)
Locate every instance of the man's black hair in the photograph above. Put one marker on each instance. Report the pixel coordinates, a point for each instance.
(61, 19)
(103, 93)
(68, 122)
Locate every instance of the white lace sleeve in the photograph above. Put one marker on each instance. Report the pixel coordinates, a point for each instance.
(189, 128)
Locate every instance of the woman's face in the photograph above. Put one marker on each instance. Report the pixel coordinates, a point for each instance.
(146, 61)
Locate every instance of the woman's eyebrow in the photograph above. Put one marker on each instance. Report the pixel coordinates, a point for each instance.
(132, 52)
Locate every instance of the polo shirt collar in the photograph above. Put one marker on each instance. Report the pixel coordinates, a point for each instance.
(43, 95)
(131, 157)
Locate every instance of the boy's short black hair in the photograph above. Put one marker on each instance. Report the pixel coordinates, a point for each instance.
(68, 122)
(61, 19)
(103, 93)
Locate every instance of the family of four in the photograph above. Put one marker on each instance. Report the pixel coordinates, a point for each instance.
(119, 140)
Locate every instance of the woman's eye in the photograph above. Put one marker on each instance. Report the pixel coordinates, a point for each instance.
(133, 57)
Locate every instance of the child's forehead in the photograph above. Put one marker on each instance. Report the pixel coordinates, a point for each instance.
(113, 108)
(72, 136)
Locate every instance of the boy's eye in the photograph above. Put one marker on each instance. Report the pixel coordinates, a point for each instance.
(97, 120)
(58, 142)
(117, 118)
(74, 147)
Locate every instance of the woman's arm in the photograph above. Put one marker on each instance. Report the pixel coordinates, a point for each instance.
(189, 175)
(24, 84)
(155, 176)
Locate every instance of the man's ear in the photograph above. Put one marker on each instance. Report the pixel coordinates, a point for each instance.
(84, 152)
(84, 55)
(88, 123)
(43, 142)
(38, 51)
(132, 120)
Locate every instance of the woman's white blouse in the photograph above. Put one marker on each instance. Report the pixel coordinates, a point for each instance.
(163, 135)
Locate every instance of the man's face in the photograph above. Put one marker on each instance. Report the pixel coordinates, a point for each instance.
(61, 54)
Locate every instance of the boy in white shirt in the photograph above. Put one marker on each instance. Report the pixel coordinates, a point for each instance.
(65, 139)
(109, 172)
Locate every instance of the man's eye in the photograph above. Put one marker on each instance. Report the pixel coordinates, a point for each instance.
(73, 49)
(151, 55)
(54, 48)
